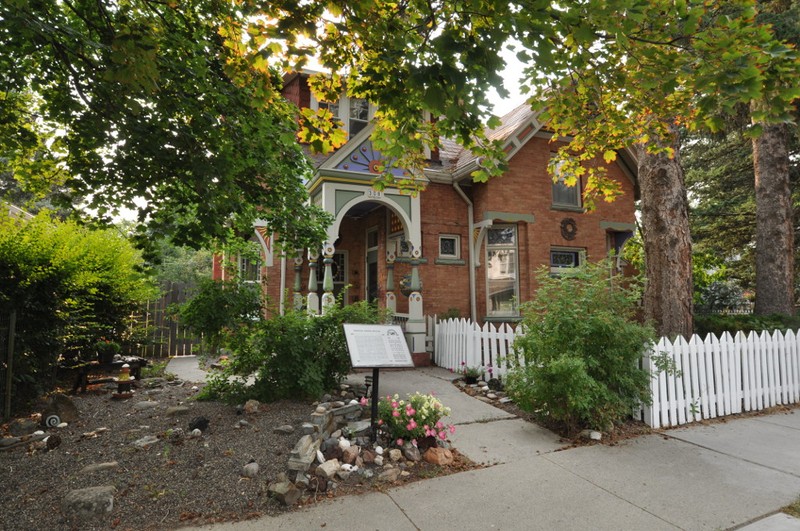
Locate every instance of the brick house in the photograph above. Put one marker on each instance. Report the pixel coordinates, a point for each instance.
(459, 247)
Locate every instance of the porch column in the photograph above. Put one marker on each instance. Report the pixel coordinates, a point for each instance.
(312, 298)
(297, 300)
(415, 328)
(391, 298)
(328, 299)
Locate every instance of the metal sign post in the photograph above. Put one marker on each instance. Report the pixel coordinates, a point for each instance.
(375, 347)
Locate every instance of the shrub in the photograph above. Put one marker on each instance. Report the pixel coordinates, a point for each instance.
(290, 356)
(71, 287)
(717, 324)
(219, 308)
(581, 349)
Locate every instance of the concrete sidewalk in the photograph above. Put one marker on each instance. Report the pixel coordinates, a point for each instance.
(719, 476)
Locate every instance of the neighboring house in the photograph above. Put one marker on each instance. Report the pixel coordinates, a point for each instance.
(458, 246)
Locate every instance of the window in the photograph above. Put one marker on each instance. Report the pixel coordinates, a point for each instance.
(502, 280)
(249, 269)
(359, 115)
(352, 112)
(563, 195)
(333, 107)
(449, 246)
(562, 259)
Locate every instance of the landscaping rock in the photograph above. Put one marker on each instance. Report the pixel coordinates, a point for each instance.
(360, 428)
(175, 411)
(307, 428)
(389, 475)
(395, 455)
(145, 406)
(251, 406)
(88, 503)
(286, 428)
(146, 441)
(368, 456)
(20, 427)
(505, 400)
(411, 452)
(350, 454)
(9, 441)
(250, 470)
(378, 460)
(285, 492)
(98, 467)
(199, 423)
(175, 435)
(439, 456)
(344, 444)
(64, 407)
(303, 454)
(328, 469)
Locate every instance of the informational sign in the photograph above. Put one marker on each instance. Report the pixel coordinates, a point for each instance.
(377, 346)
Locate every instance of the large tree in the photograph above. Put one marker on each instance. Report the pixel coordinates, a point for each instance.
(774, 209)
(610, 74)
(140, 104)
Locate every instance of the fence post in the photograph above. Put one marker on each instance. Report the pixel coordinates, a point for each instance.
(12, 324)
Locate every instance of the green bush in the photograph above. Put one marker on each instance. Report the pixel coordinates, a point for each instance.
(717, 324)
(581, 350)
(290, 356)
(71, 288)
(218, 309)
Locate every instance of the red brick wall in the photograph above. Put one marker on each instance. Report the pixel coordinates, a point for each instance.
(527, 189)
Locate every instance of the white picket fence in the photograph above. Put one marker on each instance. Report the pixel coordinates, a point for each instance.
(460, 341)
(711, 378)
(718, 377)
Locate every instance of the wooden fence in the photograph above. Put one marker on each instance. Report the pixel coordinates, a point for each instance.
(710, 377)
(162, 334)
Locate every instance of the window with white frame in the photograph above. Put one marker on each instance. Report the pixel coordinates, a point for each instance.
(502, 277)
(354, 113)
(450, 246)
(563, 259)
(249, 269)
(359, 115)
(563, 195)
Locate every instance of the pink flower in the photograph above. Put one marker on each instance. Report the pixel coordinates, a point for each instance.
(463, 363)
(439, 425)
(399, 442)
(411, 425)
(414, 442)
(394, 404)
(442, 435)
(452, 428)
(380, 422)
(425, 427)
(410, 411)
(363, 401)
(395, 413)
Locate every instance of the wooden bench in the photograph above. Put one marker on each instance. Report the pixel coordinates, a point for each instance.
(84, 370)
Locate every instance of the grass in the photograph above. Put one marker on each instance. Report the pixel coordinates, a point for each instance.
(793, 509)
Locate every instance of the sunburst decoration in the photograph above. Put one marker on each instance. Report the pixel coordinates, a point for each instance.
(365, 159)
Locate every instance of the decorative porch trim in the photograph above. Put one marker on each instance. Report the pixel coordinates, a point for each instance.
(509, 217)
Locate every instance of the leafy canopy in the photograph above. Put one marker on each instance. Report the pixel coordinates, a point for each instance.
(608, 73)
(142, 100)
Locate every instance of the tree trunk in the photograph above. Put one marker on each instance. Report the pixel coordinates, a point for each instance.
(774, 227)
(667, 243)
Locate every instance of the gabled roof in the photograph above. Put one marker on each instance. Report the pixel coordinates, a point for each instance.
(516, 129)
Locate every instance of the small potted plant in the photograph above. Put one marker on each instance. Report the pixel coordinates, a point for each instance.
(471, 374)
(106, 350)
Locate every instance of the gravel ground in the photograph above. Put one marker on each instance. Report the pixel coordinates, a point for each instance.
(171, 483)
(167, 485)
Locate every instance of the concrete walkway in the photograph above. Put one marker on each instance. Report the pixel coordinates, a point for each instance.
(730, 475)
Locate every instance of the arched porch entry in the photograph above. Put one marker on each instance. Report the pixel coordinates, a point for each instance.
(374, 247)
